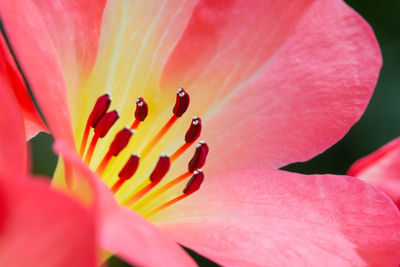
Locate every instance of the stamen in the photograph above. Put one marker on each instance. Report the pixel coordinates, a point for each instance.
(141, 112)
(158, 173)
(68, 174)
(181, 105)
(159, 135)
(92, 146)
(166, 205)
(192, 186)
(84, 139)
(130, 167)
(161, 190)
(105, 123)
(198, 160)
(99, 109)
(194, 130)
(192, 134)
(194, 183)
(101, 129)
(120, 141)
(127, 172)
(140, 196)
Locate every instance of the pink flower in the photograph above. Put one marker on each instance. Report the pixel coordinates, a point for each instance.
(38, 226)
(274, 81)
(381, 169)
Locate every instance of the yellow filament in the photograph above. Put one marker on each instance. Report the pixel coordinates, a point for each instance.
(161, 190)
(165, 205)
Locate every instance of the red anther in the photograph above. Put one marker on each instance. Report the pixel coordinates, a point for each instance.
(120, 141)
(141, 109)
(194, 130)
(105, 123)
(199, 158)
(182, 102)
(158, 173)
(99, 109)
(130, 168)
(161, 169)
(194, 183)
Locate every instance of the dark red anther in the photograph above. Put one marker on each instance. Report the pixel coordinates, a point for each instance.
(130, 167)
(141, 109)
(182, 102)
(194, 130)
(161, 169)
(105, 123)
(99, 109)
(194, 183)
(199, 158)
(120, 141)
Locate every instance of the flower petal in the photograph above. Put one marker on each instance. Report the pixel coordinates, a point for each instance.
(63, 39)
(123, 231)
(41, 227)
(33, 122)
(278, 81)
(13, 152)
(274, 218)
(381, 169)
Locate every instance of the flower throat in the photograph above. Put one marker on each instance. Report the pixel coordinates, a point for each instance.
(101, 121)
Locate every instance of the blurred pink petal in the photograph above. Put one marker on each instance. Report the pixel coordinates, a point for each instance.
(40, 227)
(13, 152)
(381, 169)
(63, 39)
(122, 231)
(12, 80)
(259, 217)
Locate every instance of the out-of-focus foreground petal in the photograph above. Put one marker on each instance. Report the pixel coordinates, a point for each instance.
(279, 81)
(121, 230)
(275, 218)
(381, 169)
(13, 150)
(12, 80)
(41, 227)
(62, 38)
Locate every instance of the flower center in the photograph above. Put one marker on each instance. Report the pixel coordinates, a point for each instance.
(142, 197)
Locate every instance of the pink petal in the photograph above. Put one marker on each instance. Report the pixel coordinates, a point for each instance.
(278, 81)
(122, 231)
(381, 169)
(40, 227)
(54, 40)
(274, 218)
(33, 122)
(13, 152)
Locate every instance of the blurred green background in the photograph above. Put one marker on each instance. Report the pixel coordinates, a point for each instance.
(380, 123)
